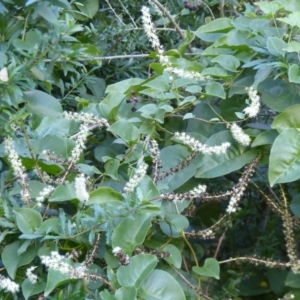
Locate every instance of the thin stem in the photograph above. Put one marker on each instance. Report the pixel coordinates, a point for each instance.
(115, 13)
(126, 10)
(171, 19)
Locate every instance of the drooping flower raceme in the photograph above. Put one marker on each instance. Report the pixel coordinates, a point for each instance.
(56, 262)
(80, 188)
(134, 181)
(239, 135)
(199, 147)
(44, 194)
(80, 143)
(253, 109)
(17, 166)
(156, 45)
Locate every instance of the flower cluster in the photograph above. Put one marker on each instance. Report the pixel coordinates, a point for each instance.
(149, 29)
(253, 109)
(200, 189)
(31, 277)
(56, 262)
(199, 147)
(8, 285)
(239, 135)
(154, 152)
(17, 166)
(163, 59)
(87, 118)
(239, 189)
(197, 192)
(80, 143)
(123, 258)
(134, 181)
(80, 188)
(45, 193)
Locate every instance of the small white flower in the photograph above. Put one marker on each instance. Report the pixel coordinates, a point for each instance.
(80, 188)
(134, 181)
(8, 285)
(253, 109)
(117, 250)
(199, 147)
(239, 135)
(31, 277)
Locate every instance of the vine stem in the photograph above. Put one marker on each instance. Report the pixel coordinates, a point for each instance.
(194, 256)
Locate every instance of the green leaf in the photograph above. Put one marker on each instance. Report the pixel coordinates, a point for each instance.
(125, 293)
(175, 258)
(30, 289)
(215, 89)
(211, 268)
(104, 195)
(63, 192)
(88, 7)
(293, 19)
(285, 157)
(28, 220)
(293, 46)
(42, 104)
(294, 73)
(269, 7)
(160, 285)
(124, 85)
(278, 94)
(289, 118)
(295, 206)
(54, 279)
(137, 271)
(228, 62)
(51, 225)
(109, 105)
(44, 10)
(293, 280)
(125, 130)
(111, 167)
(275, 46)
(131, 232)
(218, 25)
(12, 260)
(265, 138)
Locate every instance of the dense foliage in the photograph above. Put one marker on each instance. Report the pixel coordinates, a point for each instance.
(144, 148)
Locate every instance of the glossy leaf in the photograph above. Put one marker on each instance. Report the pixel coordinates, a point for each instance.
(12, 260)
(28, 220)
(125, 130)
(285, 157)
(104, 195)
(211, 268)
(294, 73)
(160, 285)
(63, 192)
(276, 45)
(289, 118)
(126, 293)
(30, 289)
(131, 232)
(215, 89)
(137, 271)
(42, 104)
(228, 62)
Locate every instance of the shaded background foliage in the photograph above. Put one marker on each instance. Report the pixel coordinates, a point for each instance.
(54, 47)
